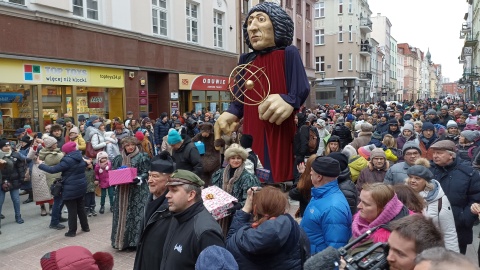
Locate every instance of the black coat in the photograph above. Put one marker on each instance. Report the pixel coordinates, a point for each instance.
(187, 157)
(161, 130)
(154, 231)
(348, 189)
(382, 127)
(343, 133)
(300, 143)
(14, 169)
(72, 166)
(295, 194)
(461, 184)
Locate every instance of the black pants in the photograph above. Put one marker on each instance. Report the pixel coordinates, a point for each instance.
(90, 200)
(76, 207)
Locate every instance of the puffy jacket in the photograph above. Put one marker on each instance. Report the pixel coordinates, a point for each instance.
(81, 144)
(348, 189)
(344, 133)
(444, 219)
(461, 184)
(102, 177)
(275, 244)
(112, 148)
(161, 130)
(327, 220)
(187, 157)
(97, 139)
(72, 166)
(465, 152)
(396, 174)
(51, 157)
(356, 164)
(362, 140)
(14, 169)
(382, 127)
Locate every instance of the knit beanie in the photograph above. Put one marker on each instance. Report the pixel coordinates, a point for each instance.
(97, 125)
(4, 142)
(365, 151)
(49, 141)
(377, 153)
(408, 127)
(69, 147)
(76, 257)
(411, 145)
(93, 118)
(470, 135)
(350, 117)
(326, 166)
(246, 141)
(341, 158)
(173, 137)
(139, 135)
(451, 123)
(377, 135)
(431, 111)
(74, 130)
(215, 257)
(366, 127)
(333, 138)
(428, 126)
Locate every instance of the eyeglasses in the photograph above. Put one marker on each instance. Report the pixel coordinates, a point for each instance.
(411, 154)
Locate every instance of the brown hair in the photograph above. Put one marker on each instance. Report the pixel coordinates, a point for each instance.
(381, 194)
(305, 183)
(410, 198)
(268, 203)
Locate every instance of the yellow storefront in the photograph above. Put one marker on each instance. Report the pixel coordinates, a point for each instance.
(37, 93)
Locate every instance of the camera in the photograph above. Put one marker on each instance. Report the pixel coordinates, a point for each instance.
(374, 258)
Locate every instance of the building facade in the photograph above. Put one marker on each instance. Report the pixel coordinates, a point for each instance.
(381, 32)
(400, 74)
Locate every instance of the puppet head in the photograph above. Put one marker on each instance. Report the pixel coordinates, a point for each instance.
(265, 20)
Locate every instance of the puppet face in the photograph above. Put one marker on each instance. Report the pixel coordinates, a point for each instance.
(260, 31)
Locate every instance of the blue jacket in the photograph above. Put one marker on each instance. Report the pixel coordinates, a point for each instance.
(72, 166)
(327, 220)
(276, 244)
(461, 184)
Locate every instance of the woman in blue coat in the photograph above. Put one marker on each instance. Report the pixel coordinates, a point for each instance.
(274, 240)
(72, 166)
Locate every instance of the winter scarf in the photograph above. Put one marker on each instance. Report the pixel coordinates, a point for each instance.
(5, 154)
(428, 142)
(430, 195)
(126, 159)
(390, 211)
(229, 182)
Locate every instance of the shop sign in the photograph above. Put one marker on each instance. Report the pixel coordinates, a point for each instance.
(142, 93)
(203, 82)
(32, 72)
(143, 101)
(95, 100)
(10, 97)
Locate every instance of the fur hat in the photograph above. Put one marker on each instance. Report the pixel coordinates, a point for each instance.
(76, 257)
(101, 154)
(366, 127)
(49, 141)
(235, 150)
(69, 147)
(74, 130)
(451, 123)
(163, 163)
(421, 169)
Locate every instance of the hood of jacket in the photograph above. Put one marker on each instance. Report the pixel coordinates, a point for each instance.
(45, 152)
(112, 140)
(75, 155)
(344, 175)
(357, 162)
(186, 140)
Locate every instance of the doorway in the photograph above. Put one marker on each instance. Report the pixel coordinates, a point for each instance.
(153, 107)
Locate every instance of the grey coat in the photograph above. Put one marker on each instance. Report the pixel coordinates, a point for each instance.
(396, 174)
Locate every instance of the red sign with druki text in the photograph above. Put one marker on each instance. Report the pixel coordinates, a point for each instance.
(96, 100)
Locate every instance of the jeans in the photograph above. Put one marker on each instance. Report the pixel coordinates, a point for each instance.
(76, 207)
(15, 195)
(56, 210)
(89, 200)
(104, 194)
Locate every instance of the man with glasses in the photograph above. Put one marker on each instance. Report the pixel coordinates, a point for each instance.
(398, 172)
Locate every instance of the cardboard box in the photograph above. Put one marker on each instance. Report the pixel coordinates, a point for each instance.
(217, 201)
(121, 176)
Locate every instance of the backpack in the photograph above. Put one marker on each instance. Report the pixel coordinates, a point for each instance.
(312, 140)
(254, 159)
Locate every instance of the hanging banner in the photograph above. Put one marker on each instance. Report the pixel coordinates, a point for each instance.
(10, 97)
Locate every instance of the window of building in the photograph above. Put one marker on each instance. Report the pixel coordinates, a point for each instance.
(299, 7)
(350, 6)
(20, 2)
(319, 37)
(340, 62)
(218, 29)
(159, 17)
(308, 61)
(340, 34)
(192, 22)
(245, 6)
(288, 3)
(319, 9)
(320, 63)
(307, 11)
(340, 6)
(211, 101)
(322, 95)
(86, 8)
(350, 34)
(350, 61)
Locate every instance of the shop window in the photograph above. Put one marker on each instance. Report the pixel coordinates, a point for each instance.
(86, 8)
(16, 103)
(322, 95)
(211, 101)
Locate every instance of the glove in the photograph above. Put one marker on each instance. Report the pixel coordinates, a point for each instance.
(236, 206)
(137, 181)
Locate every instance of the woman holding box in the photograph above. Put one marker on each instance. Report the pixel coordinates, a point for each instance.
(129, 198)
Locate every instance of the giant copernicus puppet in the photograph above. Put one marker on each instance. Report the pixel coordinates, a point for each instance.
(268, 31)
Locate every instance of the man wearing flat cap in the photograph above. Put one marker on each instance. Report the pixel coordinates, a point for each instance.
(327, 219)
(192, 228)
(157, 217)
(461, 184)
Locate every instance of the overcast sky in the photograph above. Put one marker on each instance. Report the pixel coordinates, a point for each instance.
(424, 24)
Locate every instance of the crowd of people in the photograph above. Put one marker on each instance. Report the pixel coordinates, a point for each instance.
(393, 169)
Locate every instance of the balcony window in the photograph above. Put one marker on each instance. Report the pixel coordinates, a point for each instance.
(86, 9)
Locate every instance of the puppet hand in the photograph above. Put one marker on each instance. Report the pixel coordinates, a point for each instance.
(275, 109)
(226, 124)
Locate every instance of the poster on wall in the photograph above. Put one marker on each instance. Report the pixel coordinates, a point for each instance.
(213, 107)
(173, 107)
(95, 100)
(198, 107)
(225, 106)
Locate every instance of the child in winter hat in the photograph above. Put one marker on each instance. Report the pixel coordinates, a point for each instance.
(102, 166)
(76, 257)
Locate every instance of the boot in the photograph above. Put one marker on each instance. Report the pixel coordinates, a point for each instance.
(92, 211)
(102, 209)
(87, 210)
(50, 209)
(43, 211)
(30, 197)
(19, 219)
